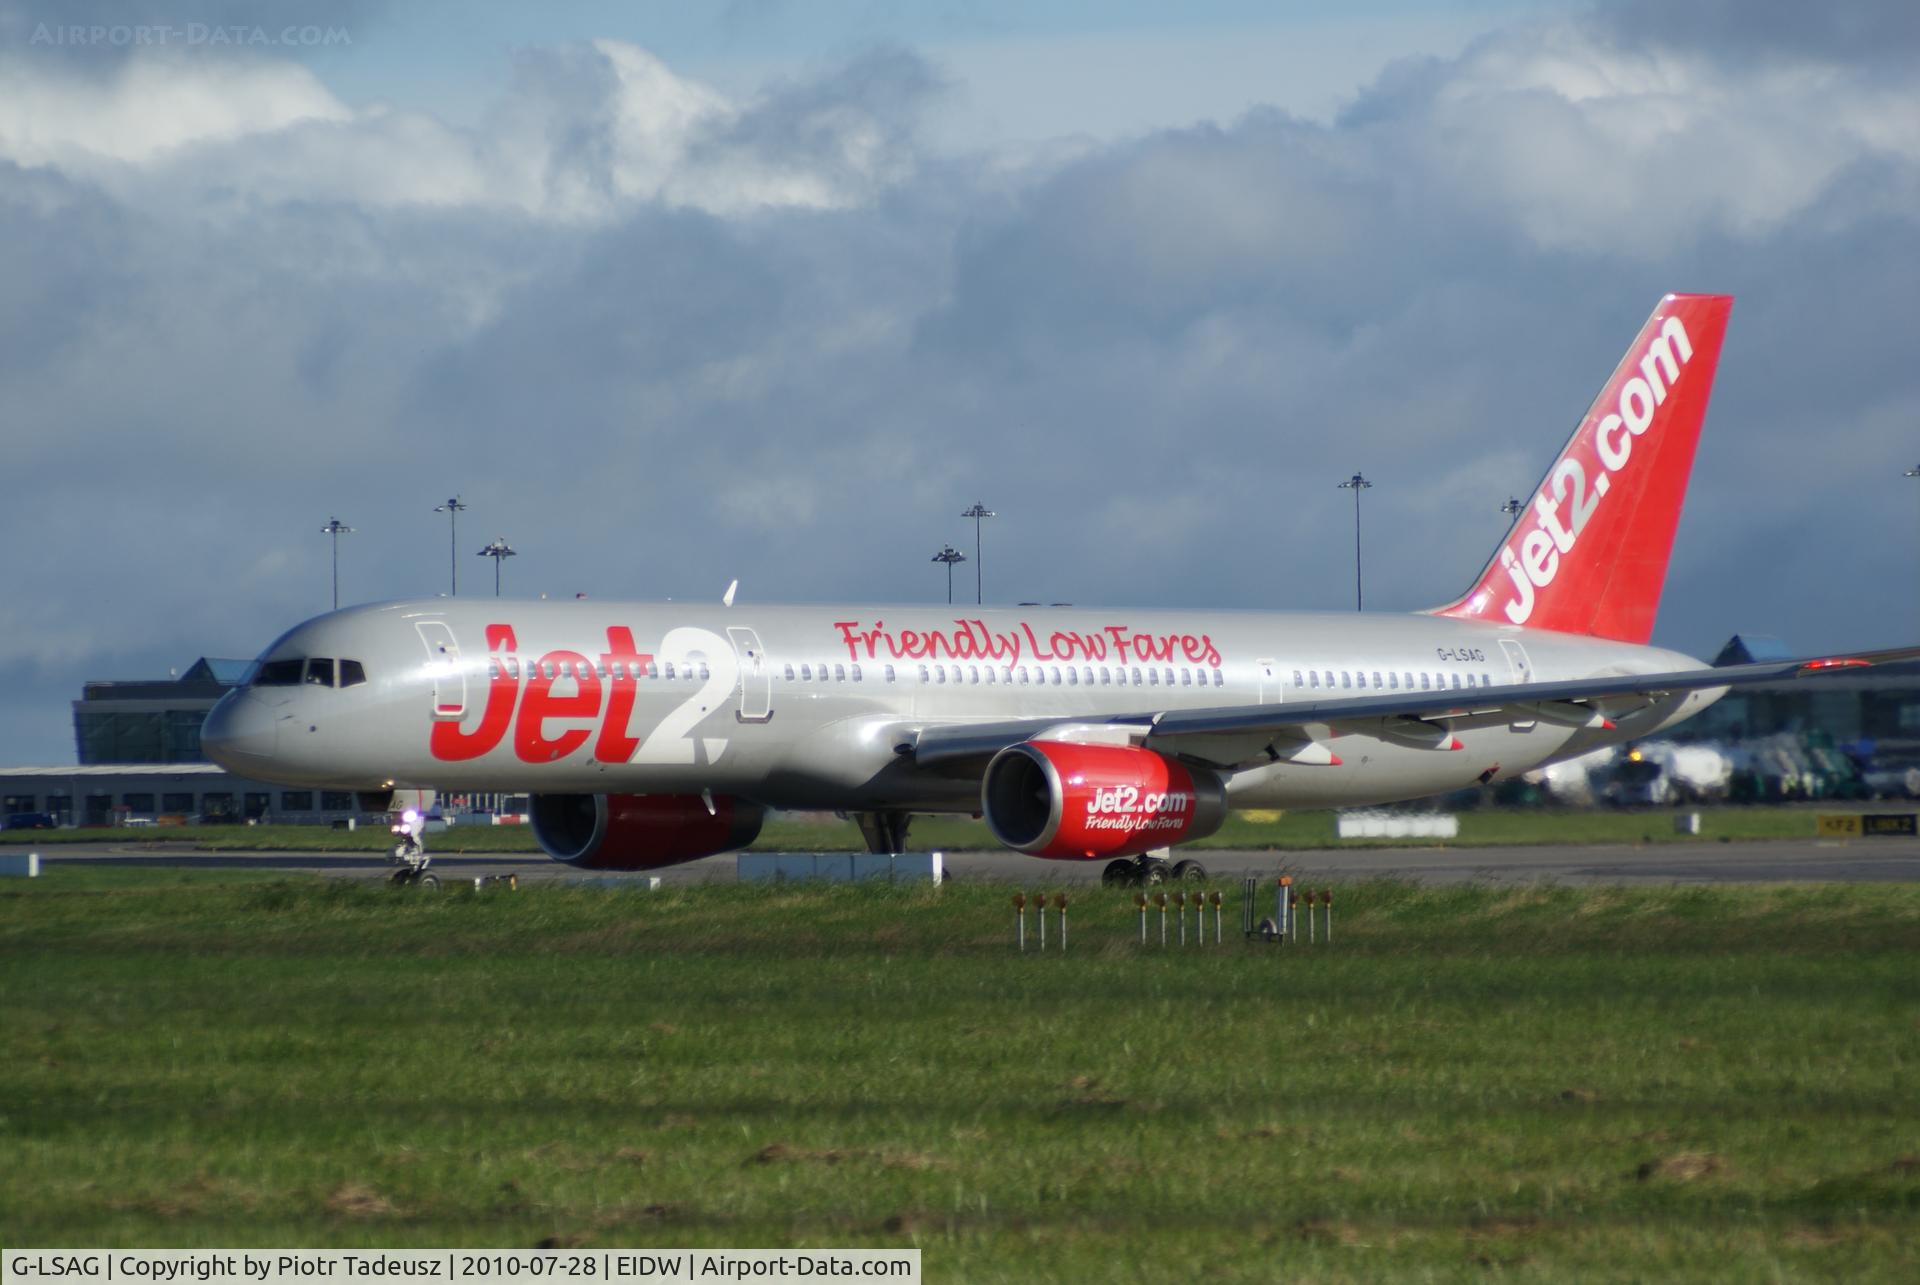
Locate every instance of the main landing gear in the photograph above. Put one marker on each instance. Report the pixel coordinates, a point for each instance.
(1147, 870)
(885, 832)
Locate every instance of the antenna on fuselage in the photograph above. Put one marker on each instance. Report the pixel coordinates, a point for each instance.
(726, 599)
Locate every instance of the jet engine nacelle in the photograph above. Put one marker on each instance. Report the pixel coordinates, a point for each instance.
(1084, 802)
(641, 831)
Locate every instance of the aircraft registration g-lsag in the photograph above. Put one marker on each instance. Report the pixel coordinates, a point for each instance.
(651, 734)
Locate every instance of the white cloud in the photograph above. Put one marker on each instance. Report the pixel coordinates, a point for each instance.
(583, 134)
(144, 108)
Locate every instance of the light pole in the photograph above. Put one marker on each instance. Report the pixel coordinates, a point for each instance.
(1356, 484)
(497, 550)
(949, 555)
(1512, 507)
(336, 528)
(977, 512)
(1914, 471)
(452, 509)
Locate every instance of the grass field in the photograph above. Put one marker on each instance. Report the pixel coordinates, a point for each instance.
(1709, 1083)
(1313, 829)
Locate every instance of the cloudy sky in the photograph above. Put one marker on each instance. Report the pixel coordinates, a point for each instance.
(673, 294)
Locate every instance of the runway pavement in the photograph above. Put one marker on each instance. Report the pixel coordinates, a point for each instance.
(1773, 861)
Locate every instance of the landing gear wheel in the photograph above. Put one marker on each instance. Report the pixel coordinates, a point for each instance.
(1153, 871)
(1189, 871)
(1120, 874)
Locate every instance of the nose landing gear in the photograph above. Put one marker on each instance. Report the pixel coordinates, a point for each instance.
(410, 854)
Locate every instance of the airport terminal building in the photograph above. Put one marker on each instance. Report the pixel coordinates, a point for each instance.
(137, 760)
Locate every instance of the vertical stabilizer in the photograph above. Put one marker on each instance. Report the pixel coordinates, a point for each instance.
(1588, 555)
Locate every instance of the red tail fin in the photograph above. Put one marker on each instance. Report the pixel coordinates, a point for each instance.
(1589, 554)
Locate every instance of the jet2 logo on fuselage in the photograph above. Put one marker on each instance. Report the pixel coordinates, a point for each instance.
(545, 722)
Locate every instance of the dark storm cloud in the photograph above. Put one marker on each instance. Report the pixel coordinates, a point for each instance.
(1877, 33)
(660, 341)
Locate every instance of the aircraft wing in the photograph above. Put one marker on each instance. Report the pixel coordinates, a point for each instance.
(1232, 732)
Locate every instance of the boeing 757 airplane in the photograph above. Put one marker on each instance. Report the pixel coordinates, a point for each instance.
(649, 734)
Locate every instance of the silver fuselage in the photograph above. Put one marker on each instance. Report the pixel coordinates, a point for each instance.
(811, 707)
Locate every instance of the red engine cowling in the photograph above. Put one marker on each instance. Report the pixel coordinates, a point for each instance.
(641, 831)
(1082, 802)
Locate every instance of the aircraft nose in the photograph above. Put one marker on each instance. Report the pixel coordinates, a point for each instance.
(241, 730)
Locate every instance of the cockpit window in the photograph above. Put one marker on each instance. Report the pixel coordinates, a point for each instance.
(320, 671)
(279, 673)
(352, 673)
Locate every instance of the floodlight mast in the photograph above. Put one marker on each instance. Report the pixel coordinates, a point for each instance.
(336, 528)
(452, 508)
(497, 550)
(1356, 484)
(977, 512)
(949, 555)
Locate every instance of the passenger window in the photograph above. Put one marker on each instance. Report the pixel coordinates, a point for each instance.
(1456, 682)
(839, 673)
(1425, 681)
(1298, 681)
(653, 670)
(1153, 678)
(1119, 676)
(1218, 679)
(1315, 675)
(789, 673)
(1106, 676)
(668, 669)
(1186, 678)
(320, 672)
(973, 674)
(1023, 675)
(513, 667)
(352, 673)
(1376, 680)
(939, 673)
(1409, 682)
(601, 669)
(855, 670)
(806, 673)
(890, 674)
(990, 677)
(1393, 682)
(1346, 679)
(924, 676)
(703, 671)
